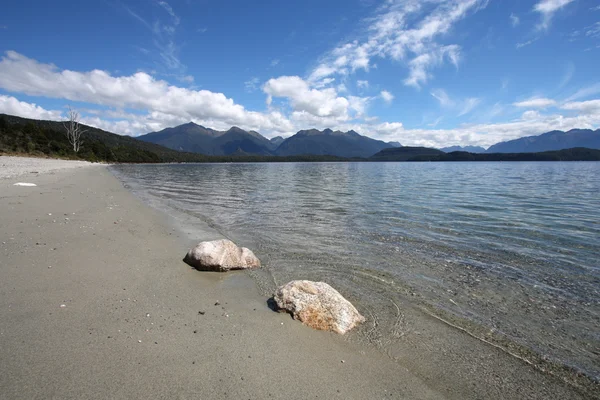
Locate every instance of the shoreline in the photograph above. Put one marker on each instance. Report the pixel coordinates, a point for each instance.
(114, 261)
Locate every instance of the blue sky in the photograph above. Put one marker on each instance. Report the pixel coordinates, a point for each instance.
(433, 72)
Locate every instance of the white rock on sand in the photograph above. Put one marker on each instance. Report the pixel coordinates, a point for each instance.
(221, 255)
(15, 166)
(318, 305)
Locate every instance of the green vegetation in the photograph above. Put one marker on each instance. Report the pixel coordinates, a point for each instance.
(48, 139)
(427, 154)
(574, 154)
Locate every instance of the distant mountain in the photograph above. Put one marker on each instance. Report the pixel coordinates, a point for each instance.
(405, 153)
(394, 144)
(470, 149)
(427, 154)
(574, 154)
(195, 138)
(276, 141)
(237, 140)
(554, 140)
(328, 142)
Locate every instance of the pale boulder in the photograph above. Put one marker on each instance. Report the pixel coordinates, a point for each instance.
(318, 305)
(221, 255)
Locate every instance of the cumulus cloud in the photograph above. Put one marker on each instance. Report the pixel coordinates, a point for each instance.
(584, 107)
(547, 9)
(404, 31)
(535, 102)
(12, 106)
(387, 96)
(138, 91)
(139, 103)
(316, 102)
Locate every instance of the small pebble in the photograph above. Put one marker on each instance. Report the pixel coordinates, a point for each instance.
(63, 305)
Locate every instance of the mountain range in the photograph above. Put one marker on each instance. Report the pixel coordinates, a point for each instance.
(554, 140)
(194, 143)
(470, 149)
(195, 138)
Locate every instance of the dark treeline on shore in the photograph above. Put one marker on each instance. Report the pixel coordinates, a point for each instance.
(23, 136)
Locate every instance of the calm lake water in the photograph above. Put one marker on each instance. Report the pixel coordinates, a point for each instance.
(506, 250)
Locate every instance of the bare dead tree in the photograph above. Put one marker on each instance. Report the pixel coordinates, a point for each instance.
(74, 130)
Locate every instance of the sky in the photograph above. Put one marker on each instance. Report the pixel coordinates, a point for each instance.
(422, 72)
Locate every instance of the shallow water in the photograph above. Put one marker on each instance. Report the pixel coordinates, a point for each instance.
(509, 249)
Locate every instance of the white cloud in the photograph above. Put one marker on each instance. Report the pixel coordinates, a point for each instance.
(138, 91)
(319, 103)
(587, 91)
(274, 62)
(569, 72)
(593, 31)
(514, 20)
(169, 10)
(531, 115)
(12, 106)
(527, 43)
(387, 96)
(140, 103)
(463, 107)
(441, 96)
(404, 31)
(419, 66)
(362, 84)
(469, 105)
(163, 37)
(547, 8)
(535, 102)
(251, 84)
(584, 107)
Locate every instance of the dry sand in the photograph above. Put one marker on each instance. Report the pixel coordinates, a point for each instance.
(96, 303)
(11, 167)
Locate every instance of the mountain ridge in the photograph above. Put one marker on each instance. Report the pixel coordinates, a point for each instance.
(549, 141)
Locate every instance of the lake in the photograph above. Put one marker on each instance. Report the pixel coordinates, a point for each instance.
(507, 251)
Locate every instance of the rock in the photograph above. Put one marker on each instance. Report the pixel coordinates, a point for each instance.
(220, 255)
(318, 305)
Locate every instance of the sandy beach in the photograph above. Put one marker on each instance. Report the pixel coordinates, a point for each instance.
(96, 303)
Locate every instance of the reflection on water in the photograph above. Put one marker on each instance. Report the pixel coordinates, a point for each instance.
(512, 247)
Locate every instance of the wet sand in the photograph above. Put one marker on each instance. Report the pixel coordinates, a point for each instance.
(95, 302)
